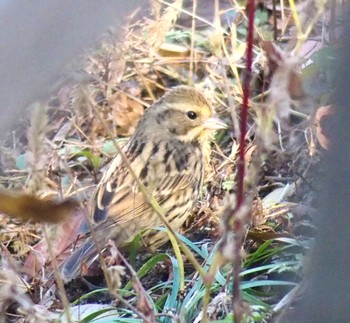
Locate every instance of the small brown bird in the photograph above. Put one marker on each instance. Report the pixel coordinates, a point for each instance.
(168, 153)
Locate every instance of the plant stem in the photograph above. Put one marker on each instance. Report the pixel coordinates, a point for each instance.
(238, 223)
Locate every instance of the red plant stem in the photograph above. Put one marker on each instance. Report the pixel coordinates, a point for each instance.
(244, 109)
(239, 222)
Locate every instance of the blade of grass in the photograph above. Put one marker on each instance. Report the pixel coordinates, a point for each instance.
(147, 268)
(171, 301)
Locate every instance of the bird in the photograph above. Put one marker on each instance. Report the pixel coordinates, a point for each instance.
(169, 153)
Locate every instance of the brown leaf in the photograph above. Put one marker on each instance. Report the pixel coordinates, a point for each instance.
(273, 55)
(257, 212)
(286, 83)
(266, 235)
(126, 111)
(322, 121)
(66, 236)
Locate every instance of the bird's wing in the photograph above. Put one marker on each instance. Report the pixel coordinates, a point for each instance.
(125, 204)
(118, 195)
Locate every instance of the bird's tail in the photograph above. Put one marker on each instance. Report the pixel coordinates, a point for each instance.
(71, 267)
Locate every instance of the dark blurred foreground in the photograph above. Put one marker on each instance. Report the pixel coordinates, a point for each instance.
(40, 37)
(326, 290)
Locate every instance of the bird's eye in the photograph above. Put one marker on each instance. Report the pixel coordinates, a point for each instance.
(191, 115)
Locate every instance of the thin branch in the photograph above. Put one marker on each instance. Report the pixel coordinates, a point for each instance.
(59, 281)
(193, 32)
(238, 226)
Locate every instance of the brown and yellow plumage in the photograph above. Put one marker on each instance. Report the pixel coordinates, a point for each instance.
(168, 153)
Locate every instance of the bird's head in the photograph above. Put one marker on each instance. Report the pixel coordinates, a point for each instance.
(184, 113)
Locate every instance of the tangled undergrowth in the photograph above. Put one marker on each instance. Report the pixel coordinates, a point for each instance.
(62, 149)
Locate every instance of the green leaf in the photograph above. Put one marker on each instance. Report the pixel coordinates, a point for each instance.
(270, 267)
(262, 283)
(109, 148)
(228, 185)
(251, 299)
(91, 317)
(227, 319)
(261, 18)
(147, 267)
(21, 162)
(171, 301)
(91, 157)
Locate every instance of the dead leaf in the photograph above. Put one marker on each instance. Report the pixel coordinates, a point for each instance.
(264, 235)
(286, 83)
(67, 235)
(322, 121)
(126, 111)
(157, 29)
(257, 212)
(173, 50)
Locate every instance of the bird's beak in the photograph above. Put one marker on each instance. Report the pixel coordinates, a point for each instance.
(214, 124)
